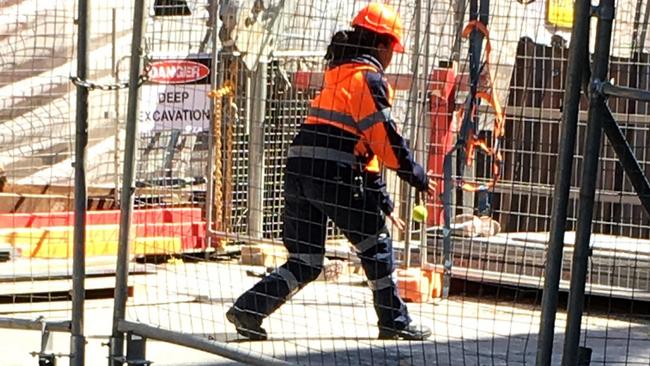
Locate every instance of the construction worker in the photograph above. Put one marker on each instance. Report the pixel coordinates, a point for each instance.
(349, 126)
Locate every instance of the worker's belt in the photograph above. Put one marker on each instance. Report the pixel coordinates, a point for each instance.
(322, 153)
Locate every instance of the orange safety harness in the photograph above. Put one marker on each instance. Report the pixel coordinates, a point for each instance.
(474, 142)
(469, 142)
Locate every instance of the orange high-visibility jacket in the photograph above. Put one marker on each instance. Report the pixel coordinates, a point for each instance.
(356, 98)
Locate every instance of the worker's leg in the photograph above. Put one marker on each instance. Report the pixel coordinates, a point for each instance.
(376, 254)
(304, 237)
(362, 223)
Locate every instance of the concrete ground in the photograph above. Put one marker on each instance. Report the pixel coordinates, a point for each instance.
(328, 323)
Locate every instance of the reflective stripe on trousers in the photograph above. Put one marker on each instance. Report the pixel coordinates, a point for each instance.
(288, 277)
(381, 283)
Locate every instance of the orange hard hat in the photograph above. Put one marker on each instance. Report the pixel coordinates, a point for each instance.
(381, 19)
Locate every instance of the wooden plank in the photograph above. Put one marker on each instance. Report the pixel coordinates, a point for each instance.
(499, 278)
(62, 304)
(8, 289)
(50, 274)
(546, 190)
(619, 266)
(18, 202)
(56, 190)
(21, 266)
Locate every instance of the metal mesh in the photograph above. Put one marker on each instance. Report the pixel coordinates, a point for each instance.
(36, 135)
(210, 188)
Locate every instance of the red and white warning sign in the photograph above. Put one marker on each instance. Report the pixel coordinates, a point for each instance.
(177, 71)
(175, 96)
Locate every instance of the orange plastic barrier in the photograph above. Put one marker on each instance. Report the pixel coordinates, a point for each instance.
(417, 285)
(155, 231)
(108, 217)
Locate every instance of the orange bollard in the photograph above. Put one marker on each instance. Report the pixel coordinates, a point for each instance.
(419, 285)
(413, 284)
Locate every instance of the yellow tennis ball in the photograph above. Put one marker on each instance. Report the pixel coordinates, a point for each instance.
(419, 213)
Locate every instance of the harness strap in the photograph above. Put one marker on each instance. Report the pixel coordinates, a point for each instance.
(469, 140)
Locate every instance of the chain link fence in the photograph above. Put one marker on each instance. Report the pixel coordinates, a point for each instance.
(223, 90)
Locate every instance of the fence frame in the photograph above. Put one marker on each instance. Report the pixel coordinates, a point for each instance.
(120, 326)
(578, 52)
(77, 338)
(116, 342)
(599, 120)
(74, 326)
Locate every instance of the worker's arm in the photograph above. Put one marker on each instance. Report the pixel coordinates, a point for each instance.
(384, 140)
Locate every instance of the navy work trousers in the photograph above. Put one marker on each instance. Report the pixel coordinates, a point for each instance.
(309, 201)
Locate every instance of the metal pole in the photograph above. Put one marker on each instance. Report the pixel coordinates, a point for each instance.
(578, 55)
(116, 163)
(77, 339)
(640, 42)
(413, 111)
(256, 153)
(232, 352)
(37, 324)
(217, 79)
(593, 145)
(423, 140)
(621, 91)
(626, 157)
(459, 15)
(116, 344)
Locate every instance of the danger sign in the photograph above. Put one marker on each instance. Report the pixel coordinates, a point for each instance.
(177, 71)
(175, 95)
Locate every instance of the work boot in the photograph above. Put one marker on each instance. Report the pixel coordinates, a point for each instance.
(410, 333)
(246, 324)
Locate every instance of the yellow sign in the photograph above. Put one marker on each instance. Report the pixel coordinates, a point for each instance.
(560, 13)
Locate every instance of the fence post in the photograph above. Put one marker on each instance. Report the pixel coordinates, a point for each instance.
(412, 116)
(116, 344)
(77, 339)
(216, 79)
(593, 144)
(578, 55)
(256, 153)
(424, 126)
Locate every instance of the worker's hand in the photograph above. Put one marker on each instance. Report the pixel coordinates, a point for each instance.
(431, 189)
(397, 222)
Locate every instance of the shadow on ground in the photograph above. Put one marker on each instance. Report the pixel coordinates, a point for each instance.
(616, 346)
